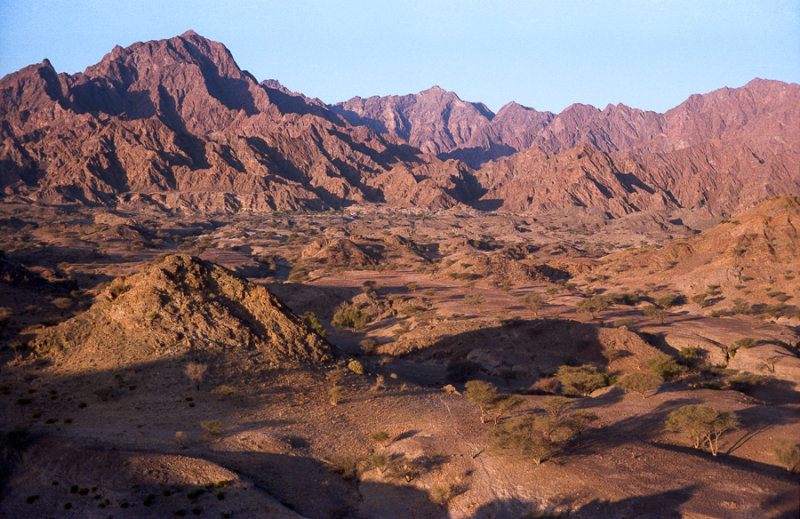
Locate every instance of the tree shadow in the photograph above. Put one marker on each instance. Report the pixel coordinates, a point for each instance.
(526, 349)
(661, 505)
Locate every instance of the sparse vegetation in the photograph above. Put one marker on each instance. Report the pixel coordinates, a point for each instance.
(787, 454)
(212, 427)
(311, 320)
(485, 395)
(349, 316)
(580, 380)
(663, 365)
(195, 371)
(702, 425)
(640, 382)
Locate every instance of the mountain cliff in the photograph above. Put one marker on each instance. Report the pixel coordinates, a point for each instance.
(176, 124)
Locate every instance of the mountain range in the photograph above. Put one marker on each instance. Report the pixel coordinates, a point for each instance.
(177, 125)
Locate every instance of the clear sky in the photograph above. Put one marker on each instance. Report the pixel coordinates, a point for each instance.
(544, 54)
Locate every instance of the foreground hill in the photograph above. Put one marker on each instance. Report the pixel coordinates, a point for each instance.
(176, 125)
(180, 305)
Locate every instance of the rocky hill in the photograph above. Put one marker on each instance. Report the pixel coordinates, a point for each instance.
(759, 246)
(182, 305)
(175, 124)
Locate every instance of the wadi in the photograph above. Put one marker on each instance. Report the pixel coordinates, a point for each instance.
(222, 298)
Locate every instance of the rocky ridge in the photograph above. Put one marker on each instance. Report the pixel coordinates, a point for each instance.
(176, 125)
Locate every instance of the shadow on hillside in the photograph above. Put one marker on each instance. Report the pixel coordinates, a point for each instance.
(662, 505)
(640, 427)
(516, 353)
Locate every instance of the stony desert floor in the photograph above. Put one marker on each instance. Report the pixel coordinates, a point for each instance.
(383, 426)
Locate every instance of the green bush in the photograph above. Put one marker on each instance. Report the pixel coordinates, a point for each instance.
(594, 305)
(580, 380)
(542, 437)
(640, 382)
(702, 424)
(670, 300)
(787, 454)
(349, 317)
(311, 320)
(663, 365)
(485, 395)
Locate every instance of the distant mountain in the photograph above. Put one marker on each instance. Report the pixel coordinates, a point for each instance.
(176, 124)
(439, 122)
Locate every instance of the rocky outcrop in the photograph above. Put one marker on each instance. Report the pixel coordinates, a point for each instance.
(178, 306)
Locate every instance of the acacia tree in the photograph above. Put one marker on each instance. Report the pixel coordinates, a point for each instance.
(539, 438)
(702, 424)
(484, 394)
(195, 372)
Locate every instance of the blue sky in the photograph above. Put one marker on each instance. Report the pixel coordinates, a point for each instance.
(545, 54)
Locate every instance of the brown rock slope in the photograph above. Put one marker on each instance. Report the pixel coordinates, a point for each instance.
(439, 122)
(175, 123)
(760, 245)
(182, 305)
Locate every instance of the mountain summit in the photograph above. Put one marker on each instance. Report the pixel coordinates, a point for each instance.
(176, 125)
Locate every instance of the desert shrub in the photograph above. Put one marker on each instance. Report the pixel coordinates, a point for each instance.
(556, 406)
(335, 395)
(481, 393)
(311, 320)
(411, 286)
(624, 298)
(534, 302)
(539, 438)
(580, 380)
(520, 437)
(656, 312)
(299, 273)
(412, 309)
(212, 427)
(787, 454)
(740, 306)
(348, 467)
(663, 365)
(195, 371)
(640, 382)
(745, 382)
(223, 391)
(356, 367)
(485, 395)
(379, 436)
(700, 300)
(475, 298)
(368, 346)
(545, 385)
(689, 356)
(349, 316)
(670, 300)
(594, 305)
(702, 424)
